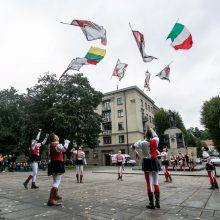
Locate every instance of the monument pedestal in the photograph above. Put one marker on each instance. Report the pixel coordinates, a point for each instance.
(175, 141)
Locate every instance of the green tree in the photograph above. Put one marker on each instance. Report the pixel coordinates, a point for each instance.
(65, 107)
(210, 118)
(9, 120)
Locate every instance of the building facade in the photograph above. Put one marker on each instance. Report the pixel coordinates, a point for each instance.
(126, 115)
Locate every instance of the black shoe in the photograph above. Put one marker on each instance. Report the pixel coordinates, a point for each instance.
(150, 206)
(33, 186)
(25, 185)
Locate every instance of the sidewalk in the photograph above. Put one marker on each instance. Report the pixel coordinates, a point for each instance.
(137, 170)
(103, 197)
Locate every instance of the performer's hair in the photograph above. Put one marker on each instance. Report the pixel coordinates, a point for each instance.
(52, 136)
(149, 134)
(206, 148)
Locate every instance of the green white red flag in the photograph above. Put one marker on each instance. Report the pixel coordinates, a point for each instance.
(91, 30)
(165, 73)
(119, 70)
(181, 37)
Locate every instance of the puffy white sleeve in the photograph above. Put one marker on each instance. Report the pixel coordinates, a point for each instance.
(63, 148)
(38, 136)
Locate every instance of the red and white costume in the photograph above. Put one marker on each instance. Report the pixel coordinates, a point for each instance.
(79, 162)
(56, 168)
(150, 166)
(35, 158)
(210, 169)
(165, 165)
(120, 163)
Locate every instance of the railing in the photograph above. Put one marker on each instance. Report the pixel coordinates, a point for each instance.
(107, 132)
(106, 119)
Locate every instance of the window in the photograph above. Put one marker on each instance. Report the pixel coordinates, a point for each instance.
(120, 113)
(149, 108)
(142, 103)
(119, 101)
(120, 126)
(95, 155)
(145, 105)
(106, 105)
(121, 139)
(107, 140)
(107, 126)
(107, 115)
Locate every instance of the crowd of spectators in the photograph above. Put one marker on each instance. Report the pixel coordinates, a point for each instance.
(8, 163)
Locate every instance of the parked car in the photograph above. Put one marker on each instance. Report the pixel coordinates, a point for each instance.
(198, 161)
(216, 160)
(127, 158)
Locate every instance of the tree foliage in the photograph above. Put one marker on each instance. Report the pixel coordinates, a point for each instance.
(64, 106)
(162, 124)
(210, 118)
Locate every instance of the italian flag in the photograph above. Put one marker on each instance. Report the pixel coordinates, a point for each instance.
(180, 37)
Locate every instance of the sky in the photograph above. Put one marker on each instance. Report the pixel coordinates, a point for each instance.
(33, 41)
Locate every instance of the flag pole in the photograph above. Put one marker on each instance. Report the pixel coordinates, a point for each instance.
(134, 37)
(64, 23)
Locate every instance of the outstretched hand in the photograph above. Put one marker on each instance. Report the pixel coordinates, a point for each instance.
(66, 141)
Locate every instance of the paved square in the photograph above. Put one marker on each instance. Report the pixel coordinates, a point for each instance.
(102, 196)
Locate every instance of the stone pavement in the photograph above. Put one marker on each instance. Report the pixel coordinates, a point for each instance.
(101, 196)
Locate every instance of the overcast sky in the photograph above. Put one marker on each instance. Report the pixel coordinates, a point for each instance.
(33, 41)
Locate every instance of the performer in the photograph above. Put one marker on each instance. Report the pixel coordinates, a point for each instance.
(80, 160)
(191, 162)
(34, 159)
(173, 161)
(209, 168)
(56, 167)
(150, 166)
(120, 163)
(181, 161)
(165, 165)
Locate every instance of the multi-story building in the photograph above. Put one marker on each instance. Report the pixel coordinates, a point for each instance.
(126, 114)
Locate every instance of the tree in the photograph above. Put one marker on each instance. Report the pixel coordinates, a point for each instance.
(65, 107)
(161, 124)
(210, 118)
(9, 120)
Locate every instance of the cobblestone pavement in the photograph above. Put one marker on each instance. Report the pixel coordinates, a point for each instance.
(101, 196)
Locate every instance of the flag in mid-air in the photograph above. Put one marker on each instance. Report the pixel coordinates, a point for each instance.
(76, 64)
(147, 80)
(165, 73)
(139, 37)
(180, 37)
(91, 30)
(95, 55)
(119, 70)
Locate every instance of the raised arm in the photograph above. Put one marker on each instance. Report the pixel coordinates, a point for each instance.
(34, 142)
(63, 148)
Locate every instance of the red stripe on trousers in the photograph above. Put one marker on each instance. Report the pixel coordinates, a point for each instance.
(147, 178)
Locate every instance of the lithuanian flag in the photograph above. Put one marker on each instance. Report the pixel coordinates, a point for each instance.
(95, 55)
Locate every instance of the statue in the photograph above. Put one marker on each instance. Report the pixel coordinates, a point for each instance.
(171, 118)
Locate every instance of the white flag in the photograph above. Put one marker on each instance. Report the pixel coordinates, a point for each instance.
(119, 70)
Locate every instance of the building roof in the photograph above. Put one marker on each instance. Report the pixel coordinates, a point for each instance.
(127, 89)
